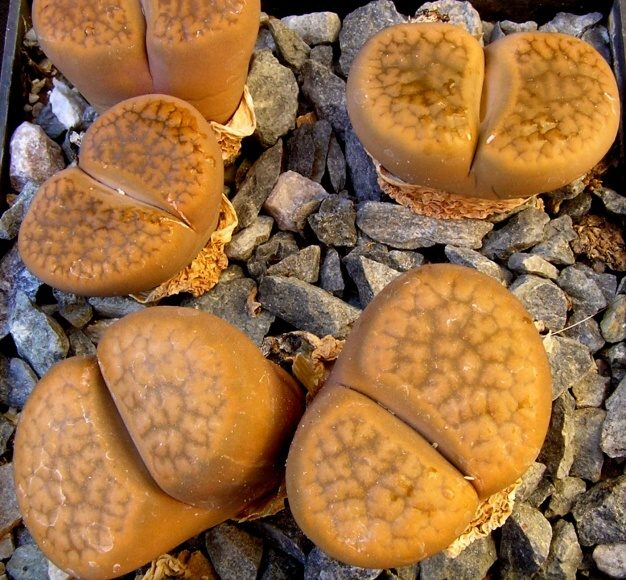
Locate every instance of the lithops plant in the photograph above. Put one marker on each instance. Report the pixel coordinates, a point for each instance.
(117, 49)
(528, 114)
(440, 398)
(177, 403)
(143, 201)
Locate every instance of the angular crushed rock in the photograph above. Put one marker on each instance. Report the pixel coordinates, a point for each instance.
(277, 248)
(571, 24)
(331, 277)
(28, 563)
(114, 306)
(315, 28)
(588, 457)
(292, 49)
(543, 300)
(474, 259)
(307, 149)
(334, 224)
(282, 531)
(9, 512)
(473, 563)
(244, 242)
(614, 427)
(587, 297)
(22, 380)
(613, 323)
(532, 264)
(565, 555)
(611, 559)
(235, 554)
(336, 165)
(75, 309)
(361, 169)
(370, 277)
(305, 265)
(570, 361)
(613, 201)
(591, 390)
(557, 452)
(12, 218)
(320, 565)
(524, 230)
(565, 493)
(455, 12)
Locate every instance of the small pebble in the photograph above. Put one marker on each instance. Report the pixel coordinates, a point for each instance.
(455, 12)
(67, 105)
(613, 323)
(571, 24)
(28, 563)
(331, 277)
(361, 170)
(524, 263)
(474, 259)
(292, 49)
(320, 565)
(473, 562)
(614, 427)
(611, 559)
(370, 277)
(315, 28)
(22, 381)
(334, 224)
(307, 149)
(12, 218)
(588, 457)
(9, 512)
(557, 452)
(235, 553)
(565, 554)
(570, 362)
(543, 300)
(304, 265)
(564, 496)
(244, 242)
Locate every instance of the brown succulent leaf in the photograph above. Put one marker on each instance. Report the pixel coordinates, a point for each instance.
(600, 239)
(266, 507)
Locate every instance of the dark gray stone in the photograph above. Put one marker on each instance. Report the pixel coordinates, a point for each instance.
(525, 540)
(600, 513)
(404, 260)
(556, 247)
(307, 307)
(530, 481)
(565, 493)
(473, 563)
(9, 512)
(331, 277)
(277, 248)
(577, 207)
(80, 344)
(541, 493)
(274, 90)
(282, 531)
(584, 329)
(522, 231)
(360, 25)
(307, 149)
(12, 218)
(48, 121)
(28, 563)
(279, 566)
(611, 559)
(39, 339)
(292, 49)
(335, 222)
(557, 452)
(293, 199)
(321, 566)
(231, 301)
(336, 165)
(257, 185)
(614, 428)
(605, 281)
(613, 323)
(591, 390)
(315, 28)
(361, 169)
(570, 362)
(305, 265)
(327, 93)
(474, 259)
(114, 306)
(543, 299)
(586, 295)
(616, 356)
(6, 430)
(571, 24)
(400, 228)
(75, 309)
(613, 201)
(323, 54)
(370, 277)
(22, 381)
(235, 554)
(588, 457)
(565, 553)
(524, 263)
(598, 37)
(244, 242)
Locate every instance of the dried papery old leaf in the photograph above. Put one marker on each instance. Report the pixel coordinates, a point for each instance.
(490, 515)
(204, 272)
(241, 124)
(184, 565)
(265, 507)
(441, 204)
(600, 239)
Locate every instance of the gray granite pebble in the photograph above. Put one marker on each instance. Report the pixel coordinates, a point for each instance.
(257, 185)
(39, 339)
(34, 156)
(591, 390)
(455, 12)
(6, 430)
(530, 481)
(291, 47)
(360, 25)
(557, 452)
(598, 37)
(336, 165)
(282, 531)
(274, 90)
(585, 330)
(600, 513)
(586, 295)
(616, 357)
(570, 361)
(315, 28)
(244, 242)
(613, 201)
(577, 207)
(370, 277)
(293, 199)
(510, 27)
(614, 428)
(524, 230)
(611, 559)
(361, 170)
(114, 306)
(544, 490)
(473, 563)
(556, 250)
(279, 566)
(48, 121)
(28, 563)
(322, 54)
(9, 512)
(327, 93)
(319, 565)
(543, 299)
(307, 149)
(404, 260)
(613, 323)
(75, 309)
(334, 224)
(235, 554)
(572, 24)
(565, 554)
(565, 493)
(307, 307)
(12, 218)
(80, 343)
(474, 259)
(400, 228)
(524, 263)
(331, 277)
(277, 248)
(525, 540)
(304, 265)
(230, 300)
(22, 380)
(606, 282)
(588, 457)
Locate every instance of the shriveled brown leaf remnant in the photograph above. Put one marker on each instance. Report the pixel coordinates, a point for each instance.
(204, 272)
(184, 565)
(265, 507)
(601, 239)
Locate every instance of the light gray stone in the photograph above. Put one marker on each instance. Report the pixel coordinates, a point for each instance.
(584, 329)
(12, 218)
(570, 362)
(591, 390)
(524, 263)
(28, 563)
(473, 563)
(572, 24)
(75, 309)
(530, 481)
(67, 105)
(613, 201)
(565, 554)
(9, 512)
(524, 230)
(370, 277)
(22, 381)
(598, 37)
(474, 259)
(543, 300)
(244, 242)
(235, 553)
(114, 306)
(613, 323)
(565, 493)
(616, 356)
(319, 565)
(587, 297)
(315, 28)
(455, 12)
(611, 559)
(557, 452)
(588, 457)
(510, 27)
(614, 428)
